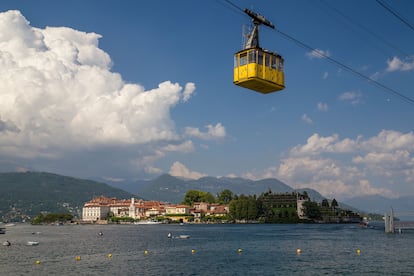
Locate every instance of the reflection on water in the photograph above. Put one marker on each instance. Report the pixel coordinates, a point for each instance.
(211, 249)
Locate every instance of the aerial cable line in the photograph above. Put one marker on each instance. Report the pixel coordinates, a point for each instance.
(235, 6)
(347, 68)
(376, 36)
(393, 12)
(338, 63)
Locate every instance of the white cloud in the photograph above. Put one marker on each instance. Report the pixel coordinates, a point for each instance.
(395, 64)
(57, 93)
(325, 75)
(352, 97)
(317, 53)
(153, 154)
(184, 147)
(188, 91)
(322, 106)
(389, 140)
(349, 167)
(213, 132)
(179, 170)
(306, 119)
(316, 145)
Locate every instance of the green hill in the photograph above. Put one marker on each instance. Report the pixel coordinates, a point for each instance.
(172, 189)
(25, 195)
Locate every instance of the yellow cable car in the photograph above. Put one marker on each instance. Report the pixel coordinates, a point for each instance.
(256, 68)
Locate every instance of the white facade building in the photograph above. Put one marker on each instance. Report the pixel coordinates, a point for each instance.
(95, 212)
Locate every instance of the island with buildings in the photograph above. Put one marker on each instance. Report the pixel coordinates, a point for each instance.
(267, 208)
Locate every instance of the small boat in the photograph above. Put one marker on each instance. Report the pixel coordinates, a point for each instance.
(2, 231)
(184, 236)
(169, 236)
(6, 243)
(32, 243)
(364, 223)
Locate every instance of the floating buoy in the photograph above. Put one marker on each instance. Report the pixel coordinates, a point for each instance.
(78, 258)
(192, 251)
(100, 233)
(146, 252)
(239, 250)
(358, 251)
(38, 262)
(169, 235)
(298, 251)
(109, 255)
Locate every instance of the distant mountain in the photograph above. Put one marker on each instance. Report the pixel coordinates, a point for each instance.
(27, 194)
(172, 189)
(381, 205)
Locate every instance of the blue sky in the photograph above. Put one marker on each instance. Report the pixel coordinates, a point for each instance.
(133, 89)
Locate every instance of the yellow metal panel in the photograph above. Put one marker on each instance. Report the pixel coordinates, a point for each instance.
(257, 77)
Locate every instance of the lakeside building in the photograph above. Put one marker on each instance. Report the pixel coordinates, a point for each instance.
(286, 204)
(101, 208)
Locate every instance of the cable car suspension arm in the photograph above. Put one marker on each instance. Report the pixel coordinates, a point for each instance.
(253, 37)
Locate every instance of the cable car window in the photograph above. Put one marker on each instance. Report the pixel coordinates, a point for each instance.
(267, 60)
(275, 62)
(243, 59)
(252, 56)
(260, 56)
(281, 64)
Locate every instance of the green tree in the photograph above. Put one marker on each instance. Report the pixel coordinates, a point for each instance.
(207, 197)
(325, 203)
(197, 196)
(244, 208)
(191, 196)
(312, 210)
(334, 203)
(252, 210)
(225, 196)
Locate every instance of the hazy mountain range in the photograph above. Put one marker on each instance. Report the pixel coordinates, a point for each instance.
(173, 189)
(32, 192)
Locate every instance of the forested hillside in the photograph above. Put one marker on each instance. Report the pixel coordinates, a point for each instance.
(24, 195)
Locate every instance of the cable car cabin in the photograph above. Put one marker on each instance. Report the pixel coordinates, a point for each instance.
(259, 70)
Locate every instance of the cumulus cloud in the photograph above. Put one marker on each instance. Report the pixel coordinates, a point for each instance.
(317, 53)
(322, 106)
(57, 92)
(184, 147)
(60, 102)
(180, 170)
(306, 119)
(316, 144)
(213, 132)
(188, 91)
(395, 64)
(352, 97)
(348, 167)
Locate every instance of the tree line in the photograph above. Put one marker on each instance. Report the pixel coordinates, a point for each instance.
(269, 207)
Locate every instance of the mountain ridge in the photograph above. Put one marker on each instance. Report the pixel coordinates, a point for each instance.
(26, 194)
(41, 191)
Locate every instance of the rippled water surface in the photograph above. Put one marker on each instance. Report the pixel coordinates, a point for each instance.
(210, 250)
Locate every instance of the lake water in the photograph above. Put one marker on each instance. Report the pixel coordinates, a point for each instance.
(210, 250)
